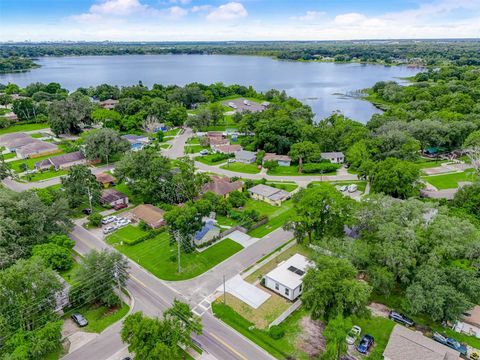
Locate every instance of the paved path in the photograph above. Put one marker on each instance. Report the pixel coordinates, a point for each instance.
(178, 144)
(152, 296)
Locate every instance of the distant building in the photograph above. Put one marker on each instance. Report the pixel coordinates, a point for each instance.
(227, 149)
(151, 215)
(108, 104)
(334, 157)
(13, 141)
(282, 160)
(137, 142)
(209, 231)
(217, 141)
(406, 344)
(36, 148)
(286, 278)
(113, 197)
(222, 186)
(246, 157)
(269, 194)
(64, 161)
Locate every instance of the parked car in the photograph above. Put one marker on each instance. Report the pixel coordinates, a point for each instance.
(353, 334)
(365, 344)
(109, 229)
(87, 211)
(108, 219)
(120, 206)
(204, 152)
(400, 318)
(343, 188)
(122, 222)
(231, 161)
(79, 320)
(450, 342)
(352, 188)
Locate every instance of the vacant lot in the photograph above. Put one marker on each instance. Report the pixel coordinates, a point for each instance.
(277, 215)
(160, 258)
(451, 180)
(240, 167)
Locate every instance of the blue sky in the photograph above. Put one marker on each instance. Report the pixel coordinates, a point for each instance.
(176, 20)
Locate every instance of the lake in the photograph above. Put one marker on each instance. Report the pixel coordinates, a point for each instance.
(321, 85)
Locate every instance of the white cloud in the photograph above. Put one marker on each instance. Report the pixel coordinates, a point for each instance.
(118, 7)
(181, 2)
(229, 11)
(349, 19)
(176, 12)
(310, 15)
(201, 8)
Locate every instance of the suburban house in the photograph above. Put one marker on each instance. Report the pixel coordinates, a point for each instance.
(13, 141)
(209, 231)
(269, 194)
(105, 179)
(113, 197)
(137, 142)
(406, 344)
(470, 323)
(108, 104)
(227, 149)
(36, 148)
(217, 141)
(334, 157)
(151, 215)
(282, 160)
(61, 161)
(246, 157)
(222, 186)
(286, 278)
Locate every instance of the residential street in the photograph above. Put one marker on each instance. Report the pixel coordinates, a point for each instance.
(152, 296)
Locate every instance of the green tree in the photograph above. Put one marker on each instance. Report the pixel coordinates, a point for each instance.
(319, 211)
(335, 333)
(330, 289)
(187, 181)
(67, 116)
(81, 186)
(468, 198)
(25, 109)
(109, 118)
(55, 256)
(395, 177)
(104, 144)
(5, 170)
(183, 223)
(177, 115)
(304, 150)
(99, 277)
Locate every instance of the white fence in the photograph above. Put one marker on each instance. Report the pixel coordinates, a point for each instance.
(286, 313)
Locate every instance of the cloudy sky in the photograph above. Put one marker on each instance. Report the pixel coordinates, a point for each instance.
(183, 20)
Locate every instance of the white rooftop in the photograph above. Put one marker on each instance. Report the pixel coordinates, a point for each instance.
(285, 273)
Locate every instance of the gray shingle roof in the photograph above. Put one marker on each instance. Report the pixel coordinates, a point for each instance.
(67, 158)
(269, 192)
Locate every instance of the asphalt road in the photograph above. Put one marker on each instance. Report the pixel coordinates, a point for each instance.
(152, 296)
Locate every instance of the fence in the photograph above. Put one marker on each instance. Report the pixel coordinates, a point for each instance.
(286, 313)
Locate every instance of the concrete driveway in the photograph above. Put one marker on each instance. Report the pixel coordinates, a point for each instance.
(242, 238)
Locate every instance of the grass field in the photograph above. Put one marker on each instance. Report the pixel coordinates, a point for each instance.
(277, 215)
(68, 274)
(292, 171)
(44, 175)
(23, 127)
(100, 317)
(241, 167)
(192, 149)
(126, 234)
(171, 132)
(380, 328)
(208, 160)
(193, 141)
(450, 180)
(159, 257)
(284, 348)
(426, 163)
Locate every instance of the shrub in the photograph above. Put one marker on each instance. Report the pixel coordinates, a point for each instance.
(237, 199)
(276, 332)
(95, 219)
(142, 225)
(270, 165)
(321, 168)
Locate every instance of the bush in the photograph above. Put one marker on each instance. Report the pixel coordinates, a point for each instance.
(219, 157)
(321, 168)
(270, 165)
(95, 219)
(276, 332)
(142, 225)
(237, 199)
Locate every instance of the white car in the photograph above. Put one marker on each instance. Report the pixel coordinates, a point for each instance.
(122, 222)
(343, 188)
(352, 188)
(109, 229)
(353, 334)
(204, 152)
(108, 219)
(231, 161)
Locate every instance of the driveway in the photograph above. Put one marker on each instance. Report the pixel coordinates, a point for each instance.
(243, 239)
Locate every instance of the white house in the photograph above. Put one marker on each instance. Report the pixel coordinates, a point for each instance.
(286, 278)
(336, 157)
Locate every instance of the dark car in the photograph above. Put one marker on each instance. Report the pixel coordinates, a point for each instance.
(400, 318)
(79, 320)
(120, 206)
(365, 344)
(87, 211)
(451, 343)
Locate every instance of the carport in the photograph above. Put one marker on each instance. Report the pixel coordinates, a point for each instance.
(248, 293)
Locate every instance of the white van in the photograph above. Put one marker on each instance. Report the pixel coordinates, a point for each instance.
(352, 188)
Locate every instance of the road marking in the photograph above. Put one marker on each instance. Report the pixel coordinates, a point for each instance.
(138, 281)
(227, 346)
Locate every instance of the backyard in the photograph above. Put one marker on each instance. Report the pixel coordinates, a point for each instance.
(277, 215)
(160, 258)
(450, 180)
(23, 127)
(210, 159)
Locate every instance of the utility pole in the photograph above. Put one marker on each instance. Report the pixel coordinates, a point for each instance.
(224, 293)
(89, 198)
(178, 252)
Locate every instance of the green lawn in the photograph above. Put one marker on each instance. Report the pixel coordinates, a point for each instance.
(292, 171)
(284, 348)
(100, 317)
(380, 328)
(159, 257)
(171, 132)
(427, 163)
(23, 127)
(164, 146)
(192, 149)
(450, 180)
(241, 167)
(68, 274)
(208, 160)
(126, 190)
(286, 187)
(193, 141)
(15, 165)
(43, 175)
(9, 155)
(126, 235)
